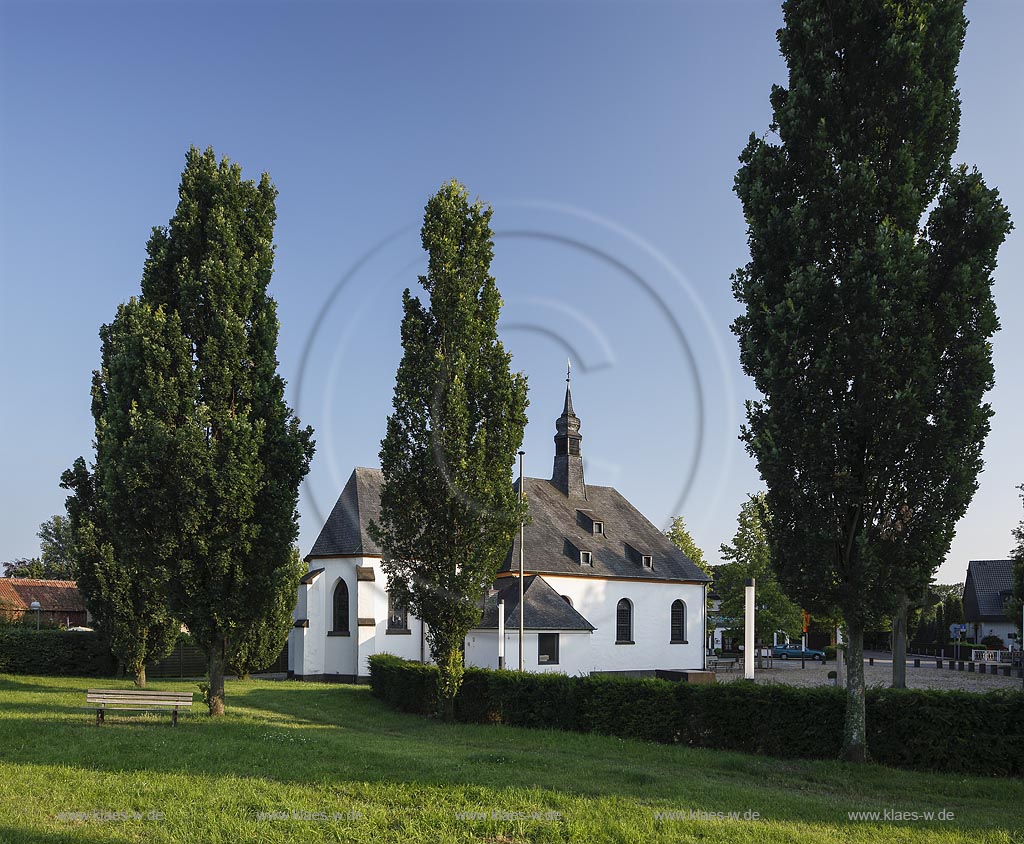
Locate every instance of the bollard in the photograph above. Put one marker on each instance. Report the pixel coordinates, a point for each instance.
(960, 665)
(938, 663)
(981, 667)
(871, 660)
(970, 667)
(917, 663)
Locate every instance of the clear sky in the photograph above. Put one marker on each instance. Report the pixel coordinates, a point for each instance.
(605, 137)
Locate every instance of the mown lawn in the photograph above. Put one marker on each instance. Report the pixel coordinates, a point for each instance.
(313, 750)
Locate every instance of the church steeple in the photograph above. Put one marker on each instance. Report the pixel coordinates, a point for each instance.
(568, 470)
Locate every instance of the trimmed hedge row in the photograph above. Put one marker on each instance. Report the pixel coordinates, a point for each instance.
(907, 728)
(54, 653)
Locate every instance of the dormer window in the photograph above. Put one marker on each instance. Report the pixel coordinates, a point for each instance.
(598, 528)
(648, 561)
(586, 558)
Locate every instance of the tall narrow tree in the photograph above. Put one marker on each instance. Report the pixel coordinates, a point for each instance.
(127, 513)
(448, 508)
(867, 323)
(210, 268)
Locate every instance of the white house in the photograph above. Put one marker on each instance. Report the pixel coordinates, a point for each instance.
(604, 589)
(987, 592)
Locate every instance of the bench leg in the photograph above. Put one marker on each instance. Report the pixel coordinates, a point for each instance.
(99, 716)
(174, 717)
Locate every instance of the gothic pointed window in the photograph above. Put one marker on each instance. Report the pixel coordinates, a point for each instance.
(624, 622)
(678, 632)
(340, 624)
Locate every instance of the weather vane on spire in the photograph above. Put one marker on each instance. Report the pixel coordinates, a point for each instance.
(568, 369)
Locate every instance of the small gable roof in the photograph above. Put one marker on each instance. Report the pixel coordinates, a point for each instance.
(53, 595)
(987, 583)
(543, 607)
(345, 533)
(556, 534)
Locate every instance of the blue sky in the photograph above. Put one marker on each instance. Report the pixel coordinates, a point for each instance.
(605, 136)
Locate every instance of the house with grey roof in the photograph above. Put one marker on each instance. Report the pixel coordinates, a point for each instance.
(987, 591)
(604, 590)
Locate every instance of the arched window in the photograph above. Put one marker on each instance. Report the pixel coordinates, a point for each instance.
(398, 616)
(678, 636)
(340, 608)
(624, 622)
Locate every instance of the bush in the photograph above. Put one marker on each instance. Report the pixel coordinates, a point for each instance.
(830, 652)
(55, 653)
(993, 643)
(963, 732)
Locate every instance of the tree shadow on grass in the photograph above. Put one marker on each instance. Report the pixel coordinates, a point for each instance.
(16, 835)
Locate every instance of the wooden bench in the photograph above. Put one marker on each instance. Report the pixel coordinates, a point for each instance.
(137, 700)
(721, 664)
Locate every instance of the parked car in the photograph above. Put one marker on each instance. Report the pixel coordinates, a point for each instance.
(796, 652)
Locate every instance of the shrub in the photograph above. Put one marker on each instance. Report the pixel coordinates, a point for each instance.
(408, 686)
(830, 652)
(993, 643)
(55, 653)
(964, 732)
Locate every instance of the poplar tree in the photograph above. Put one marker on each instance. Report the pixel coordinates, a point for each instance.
(126, 514)
(211, 266)
(868, 309)
(449, 510)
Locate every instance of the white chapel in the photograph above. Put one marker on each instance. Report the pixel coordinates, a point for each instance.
(604, 589)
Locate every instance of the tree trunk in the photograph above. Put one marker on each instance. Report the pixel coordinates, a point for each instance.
(449, 678)
(899, 643)
(855, 748)
(140, 677)
(215, 694)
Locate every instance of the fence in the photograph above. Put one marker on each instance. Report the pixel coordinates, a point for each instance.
(188, 661)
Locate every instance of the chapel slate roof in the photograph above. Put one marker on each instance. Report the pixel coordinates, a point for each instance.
(987, 582)
(345, 531)
(543, 607)
(560, 528)
(557, 532)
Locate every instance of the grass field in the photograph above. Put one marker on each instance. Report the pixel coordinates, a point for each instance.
(307, 752)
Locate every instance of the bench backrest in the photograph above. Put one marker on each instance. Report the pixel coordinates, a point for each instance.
(143, 696)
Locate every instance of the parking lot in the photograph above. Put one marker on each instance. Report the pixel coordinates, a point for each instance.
(879, 674)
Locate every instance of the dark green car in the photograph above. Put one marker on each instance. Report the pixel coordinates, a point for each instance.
(796, 652)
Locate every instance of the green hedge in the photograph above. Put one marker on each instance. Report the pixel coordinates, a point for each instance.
(964, 732)
(54, 652)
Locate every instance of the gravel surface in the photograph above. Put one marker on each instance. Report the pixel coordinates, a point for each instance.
(879, 674)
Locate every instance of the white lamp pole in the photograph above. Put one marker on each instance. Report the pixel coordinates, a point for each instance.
(748, 631)
(501, 634)
(522, 533)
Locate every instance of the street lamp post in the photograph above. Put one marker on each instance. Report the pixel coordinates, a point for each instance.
(748, 629)
(522, 536)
